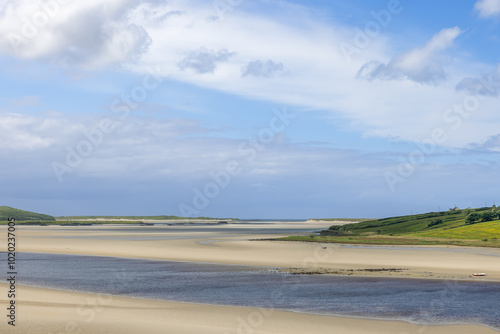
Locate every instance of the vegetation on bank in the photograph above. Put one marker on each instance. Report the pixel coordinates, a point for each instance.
(132, 218)
(7, 212)
(31, 218)
(342, 219)
(66, 223)
(395, 241)
(469, 227)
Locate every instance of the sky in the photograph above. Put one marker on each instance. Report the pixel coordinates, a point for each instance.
(249, 109)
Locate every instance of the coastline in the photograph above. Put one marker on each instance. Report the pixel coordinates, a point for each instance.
(231, 245)
(47, 310)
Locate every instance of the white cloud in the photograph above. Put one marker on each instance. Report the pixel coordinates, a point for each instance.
(486, 85)
(205, 61)
(165, 34)
(90, 33)
(265, 69)
(319, 75)
(488, 8)
(422, 65)
(28, 133)
(150, 148)
(155, 164)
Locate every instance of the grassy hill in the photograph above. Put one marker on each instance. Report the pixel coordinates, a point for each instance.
(447, 224)
(21, 215)
(433, 228)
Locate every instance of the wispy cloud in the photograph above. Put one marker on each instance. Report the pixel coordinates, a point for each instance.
(28, 133)
(488, 8)
(230, 55)
(165, 147)
(486, 85)
(423, 65)
(156, 164)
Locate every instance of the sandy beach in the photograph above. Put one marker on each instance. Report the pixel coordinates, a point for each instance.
(52, 311)
(235, 244)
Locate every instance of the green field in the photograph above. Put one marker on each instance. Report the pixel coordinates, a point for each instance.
(488, 230)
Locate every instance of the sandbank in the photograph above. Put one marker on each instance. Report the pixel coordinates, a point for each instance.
(235, 244)
(53, 311)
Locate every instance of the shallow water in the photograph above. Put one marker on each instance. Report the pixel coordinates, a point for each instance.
(420, 301)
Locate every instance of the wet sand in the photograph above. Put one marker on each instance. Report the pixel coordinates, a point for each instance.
(232, 244)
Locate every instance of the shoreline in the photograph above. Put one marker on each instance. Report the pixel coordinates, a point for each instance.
(99, 313)
(230, 244)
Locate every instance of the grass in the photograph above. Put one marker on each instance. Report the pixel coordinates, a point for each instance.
(488, 230)
(406, 224)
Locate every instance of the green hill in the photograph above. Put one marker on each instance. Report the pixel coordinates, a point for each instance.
(470, 227)
(446, 224)
(21, 215)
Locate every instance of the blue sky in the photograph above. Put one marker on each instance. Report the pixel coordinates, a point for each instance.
(249, 109)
